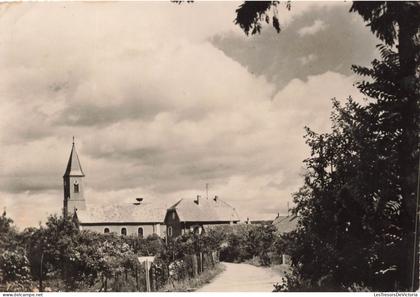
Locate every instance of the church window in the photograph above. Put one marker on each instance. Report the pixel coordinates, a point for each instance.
(123, 231)
(170, 231)
(173, 215)
(140, 232)
(76, 187)
(106, 230)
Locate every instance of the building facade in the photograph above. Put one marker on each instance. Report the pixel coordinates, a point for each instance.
(138, 218)
(196, 215)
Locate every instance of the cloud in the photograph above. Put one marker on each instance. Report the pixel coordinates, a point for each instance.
(158, 110)
(309, 102)
(285, 56)
(307, 59)
(317, 26)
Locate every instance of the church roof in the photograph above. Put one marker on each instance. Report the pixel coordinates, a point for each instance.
(285, 224)
(73, 166)
(122, 213)
(207, 210)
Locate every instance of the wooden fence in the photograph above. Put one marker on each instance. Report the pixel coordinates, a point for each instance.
(144, 278)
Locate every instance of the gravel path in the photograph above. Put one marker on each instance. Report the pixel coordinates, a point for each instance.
(243, 278)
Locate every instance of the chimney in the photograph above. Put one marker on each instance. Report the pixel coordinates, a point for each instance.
(138, 201)
(197, 201)
(278, 214)
(216, 198)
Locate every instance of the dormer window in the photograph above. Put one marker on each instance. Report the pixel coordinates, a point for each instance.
(76, 186)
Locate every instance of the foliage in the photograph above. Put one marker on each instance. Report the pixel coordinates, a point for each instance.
(383, 17)
(192, 284)
(60, 257)
(148, 246)
(6, 224)
(14, 264)
(250, 15)
(367, 199)
(245, 242)
(353, 188)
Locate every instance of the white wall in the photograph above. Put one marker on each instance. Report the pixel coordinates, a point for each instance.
(148, 229)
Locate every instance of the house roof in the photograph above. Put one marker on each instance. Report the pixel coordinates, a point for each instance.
(261, 222)
(285, 224)
(73, 166)
(207, 210)
(122, 213)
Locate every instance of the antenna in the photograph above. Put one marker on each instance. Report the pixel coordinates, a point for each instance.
(73, 139)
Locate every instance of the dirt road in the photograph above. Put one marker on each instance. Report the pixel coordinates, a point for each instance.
(243, 278)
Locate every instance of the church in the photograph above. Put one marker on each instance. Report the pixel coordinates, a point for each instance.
(140, 218)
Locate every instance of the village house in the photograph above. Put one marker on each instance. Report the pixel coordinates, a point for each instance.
(285, 224)
(126, 219)
(194, 215)
(138, 218)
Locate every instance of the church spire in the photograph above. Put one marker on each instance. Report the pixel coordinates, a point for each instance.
(74, 198)
(73, 166)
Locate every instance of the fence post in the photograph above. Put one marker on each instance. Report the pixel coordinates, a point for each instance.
(137, 280)
(201, 262)
(153, 278)
(194, 264)
(146, 269)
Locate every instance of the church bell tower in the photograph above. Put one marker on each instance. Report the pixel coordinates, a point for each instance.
(74, 198)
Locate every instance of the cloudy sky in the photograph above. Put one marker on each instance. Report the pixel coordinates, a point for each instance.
(164, 98)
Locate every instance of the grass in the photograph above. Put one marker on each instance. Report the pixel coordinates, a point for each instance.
(192, 284)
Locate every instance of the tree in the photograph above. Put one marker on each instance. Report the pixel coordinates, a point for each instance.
(6, 224)
(351, 208)
(399, 23)
(394, 23)
(392, 101)
(347, 226)
(14, 264)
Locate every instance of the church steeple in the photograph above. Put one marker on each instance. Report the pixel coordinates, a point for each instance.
(73, 184)
(73, 166)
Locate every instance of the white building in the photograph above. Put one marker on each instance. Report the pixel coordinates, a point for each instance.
(139, 218)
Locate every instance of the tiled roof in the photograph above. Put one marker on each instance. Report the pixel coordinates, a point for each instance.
(73, 166)
(285, 224)
(208, 210)
(261, 222)
(123, 213)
